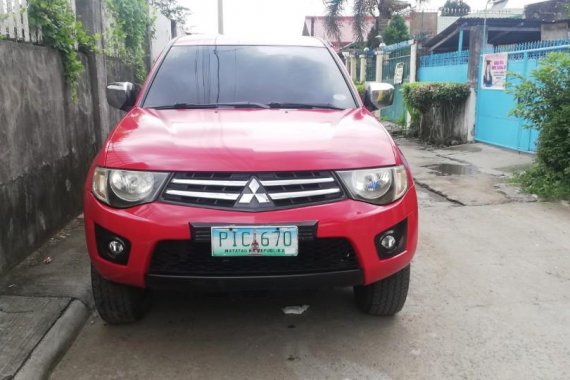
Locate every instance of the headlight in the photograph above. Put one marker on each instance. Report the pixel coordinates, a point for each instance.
(126, 188)
(378, 186)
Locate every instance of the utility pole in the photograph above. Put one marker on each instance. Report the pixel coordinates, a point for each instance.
(220, 16)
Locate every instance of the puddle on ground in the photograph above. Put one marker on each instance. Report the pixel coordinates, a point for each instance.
(453, 169)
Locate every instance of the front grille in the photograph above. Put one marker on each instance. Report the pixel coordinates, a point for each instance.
(191, 258)
(252, 191)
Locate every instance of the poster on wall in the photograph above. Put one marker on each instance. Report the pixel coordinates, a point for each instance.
(399, 73)
(494, 73)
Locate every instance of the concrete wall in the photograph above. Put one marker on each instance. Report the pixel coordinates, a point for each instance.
(423, 22)
(449, 126)
(547, 10)
(162, 34)
(555, 31)
(47, 143)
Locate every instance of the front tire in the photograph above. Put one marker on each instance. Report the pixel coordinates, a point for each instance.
(385, 297)
(117, 303)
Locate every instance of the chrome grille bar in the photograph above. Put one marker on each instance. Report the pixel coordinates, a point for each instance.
(301, 194)
(209, 182)
(288, 182)
(253, 191)
(200, 194)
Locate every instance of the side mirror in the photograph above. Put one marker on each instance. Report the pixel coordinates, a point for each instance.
(378, 95)
(122, 95)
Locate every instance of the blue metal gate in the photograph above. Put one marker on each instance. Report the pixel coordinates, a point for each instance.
(493, 122)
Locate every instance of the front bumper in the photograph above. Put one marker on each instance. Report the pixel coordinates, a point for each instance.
(147, 225)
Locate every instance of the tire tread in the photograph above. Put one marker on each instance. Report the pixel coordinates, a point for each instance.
(385, 297)
(117, 303)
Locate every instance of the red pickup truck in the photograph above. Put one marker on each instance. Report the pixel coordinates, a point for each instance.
(249, 164)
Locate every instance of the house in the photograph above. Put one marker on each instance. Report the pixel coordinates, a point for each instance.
(499, 31)
(554, 17)
(421, 24)
(539, 21)
(316, 26)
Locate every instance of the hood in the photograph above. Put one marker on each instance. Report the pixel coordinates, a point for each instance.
(248, 140)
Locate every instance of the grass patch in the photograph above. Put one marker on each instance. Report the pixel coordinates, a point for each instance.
(546, 183)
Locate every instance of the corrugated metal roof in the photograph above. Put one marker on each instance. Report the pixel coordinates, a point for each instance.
(473, 21)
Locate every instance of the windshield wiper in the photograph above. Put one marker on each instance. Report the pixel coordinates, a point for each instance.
(190, 106)
(304, 105)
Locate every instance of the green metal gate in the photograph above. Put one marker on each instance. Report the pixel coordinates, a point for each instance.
(398, 56)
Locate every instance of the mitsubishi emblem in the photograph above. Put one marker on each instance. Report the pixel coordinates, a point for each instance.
(251, 191)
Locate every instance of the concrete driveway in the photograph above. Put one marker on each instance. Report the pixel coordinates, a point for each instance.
(489, 299)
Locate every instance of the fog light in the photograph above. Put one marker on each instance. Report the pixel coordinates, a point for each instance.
(116, 247)
(392, 241)
(388, 242)
(111, 246)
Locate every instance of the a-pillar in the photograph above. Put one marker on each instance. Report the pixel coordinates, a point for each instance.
(353, 67)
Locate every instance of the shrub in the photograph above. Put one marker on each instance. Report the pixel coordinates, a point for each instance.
(543, 100)
(361, 88)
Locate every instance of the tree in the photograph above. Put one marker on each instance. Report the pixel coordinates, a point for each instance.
(396, 31)
(381, 9)
(175, 12)
(455, 8)
(372, 40)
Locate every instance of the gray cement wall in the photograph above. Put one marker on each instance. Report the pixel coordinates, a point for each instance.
(47, 143)
(555, 31)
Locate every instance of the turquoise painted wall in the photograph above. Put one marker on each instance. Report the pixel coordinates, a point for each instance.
(450, 73)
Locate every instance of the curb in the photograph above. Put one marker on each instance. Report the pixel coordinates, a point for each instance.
(55, 343)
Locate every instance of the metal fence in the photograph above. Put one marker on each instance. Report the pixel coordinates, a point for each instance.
(529, 50)
(444, 67)
(397, 111)
(445, 59)
(14, 22)
(530, 45)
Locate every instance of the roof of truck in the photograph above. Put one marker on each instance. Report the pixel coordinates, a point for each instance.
(260, 41)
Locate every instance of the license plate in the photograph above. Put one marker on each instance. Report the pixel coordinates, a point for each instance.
(255, 241)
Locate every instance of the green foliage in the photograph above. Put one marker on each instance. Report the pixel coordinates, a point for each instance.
(172, 10)
(61, 31)
(381, 9)
(396, 31)
(360, 87)
(540, 180)
(455, 8)
(543, 101)
(129, 34)
(424, 95)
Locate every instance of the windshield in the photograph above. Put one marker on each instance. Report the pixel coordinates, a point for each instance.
(279, 76)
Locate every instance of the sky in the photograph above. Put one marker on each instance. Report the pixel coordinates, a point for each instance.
(275, 18)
